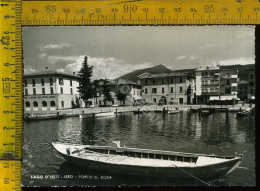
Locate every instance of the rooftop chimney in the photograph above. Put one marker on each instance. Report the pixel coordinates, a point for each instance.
(74, 73)
(46, 68)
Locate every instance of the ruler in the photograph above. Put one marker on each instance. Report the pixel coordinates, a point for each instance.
(10, 94)
(141, 12)
(15, 13)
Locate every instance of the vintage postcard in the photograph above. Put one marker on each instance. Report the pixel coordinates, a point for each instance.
(139, 106)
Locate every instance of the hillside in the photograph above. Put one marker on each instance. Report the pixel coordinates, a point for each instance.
(132, 76)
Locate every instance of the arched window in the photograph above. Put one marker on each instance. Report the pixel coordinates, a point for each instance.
(35, 104)
(27, 104)
(44, 104)
(52, 103)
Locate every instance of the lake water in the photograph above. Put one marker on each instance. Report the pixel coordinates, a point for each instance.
(183, 132)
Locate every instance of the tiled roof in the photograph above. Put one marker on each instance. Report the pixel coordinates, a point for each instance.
(160, 75)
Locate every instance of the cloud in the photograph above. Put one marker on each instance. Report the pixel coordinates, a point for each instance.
(181, 57)
(30, 70)
(241, 61)
(54, 59)
(107, 67)
(60, 70)
(42, 55)
(54, 46)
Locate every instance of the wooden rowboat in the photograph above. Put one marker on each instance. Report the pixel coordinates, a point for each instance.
(147, 162)
(101, 114)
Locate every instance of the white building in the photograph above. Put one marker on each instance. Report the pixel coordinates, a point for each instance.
(50, 90)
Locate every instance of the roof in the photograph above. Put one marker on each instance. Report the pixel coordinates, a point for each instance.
(51, 73)
(160, 75)
(202, 68)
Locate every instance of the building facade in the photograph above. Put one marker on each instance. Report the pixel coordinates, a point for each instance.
(207, 83)
(216, 84)
(246, 83)
(50, 90)
(167, 88)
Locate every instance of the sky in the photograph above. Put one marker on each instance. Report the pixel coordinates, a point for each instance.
(117, 50)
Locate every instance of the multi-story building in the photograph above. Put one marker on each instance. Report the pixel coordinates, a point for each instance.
(50, 90)
(167, 88)
(246, 82)
(207, 83)
(228, 83)
(132, 91)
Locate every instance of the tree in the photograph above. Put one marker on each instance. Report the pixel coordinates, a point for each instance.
(106, 92)
(85, 85)
(95, 90)
(121, 96)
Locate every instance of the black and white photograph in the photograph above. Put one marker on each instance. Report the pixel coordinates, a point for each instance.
(139, 106)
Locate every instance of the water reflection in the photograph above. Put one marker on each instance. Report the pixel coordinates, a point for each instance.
(183, 132)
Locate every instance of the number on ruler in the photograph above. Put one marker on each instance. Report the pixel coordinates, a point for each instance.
(209, 8)
(133, 8)
(50, 9)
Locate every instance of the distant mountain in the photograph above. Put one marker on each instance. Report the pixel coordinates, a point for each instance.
(132, 76)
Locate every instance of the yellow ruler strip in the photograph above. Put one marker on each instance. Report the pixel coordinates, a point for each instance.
(10, 176)
(10, 93)
(146, 12)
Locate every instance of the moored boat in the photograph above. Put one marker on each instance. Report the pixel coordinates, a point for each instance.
(242, 113)
(173, 111)
(147, 162)
(104, 114)
(44, 117)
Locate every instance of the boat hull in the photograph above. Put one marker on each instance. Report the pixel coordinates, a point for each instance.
(208, 172)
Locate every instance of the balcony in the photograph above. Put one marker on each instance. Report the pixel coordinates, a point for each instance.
(208, 85)
(229, 76)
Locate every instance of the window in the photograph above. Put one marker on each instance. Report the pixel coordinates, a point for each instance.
(154, 90)
(153, 81)
(71, 91)
(62, 103)
(171, 89)
(44, 104)
(212, 81)
(211, 89)
(43, 91)
(251, 84)
(212, 73)
(70, 82)
(180, 89)
(206, 73)
(34, 91)
(35, 104)
(52, 103)
(51, 82)
(33, 82)
(42, 80)
(61, 90)
(180, 79)
(26, 91)
(134, 92)
(228, 82)
(252, 76)
(172, 80)
(163, 90)
(154, 100)
(27, 104)
(25, 83)
(163, 81)
(145, 82)
(145, 91)
(61, 81)
(51, 90)
(251, 91)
